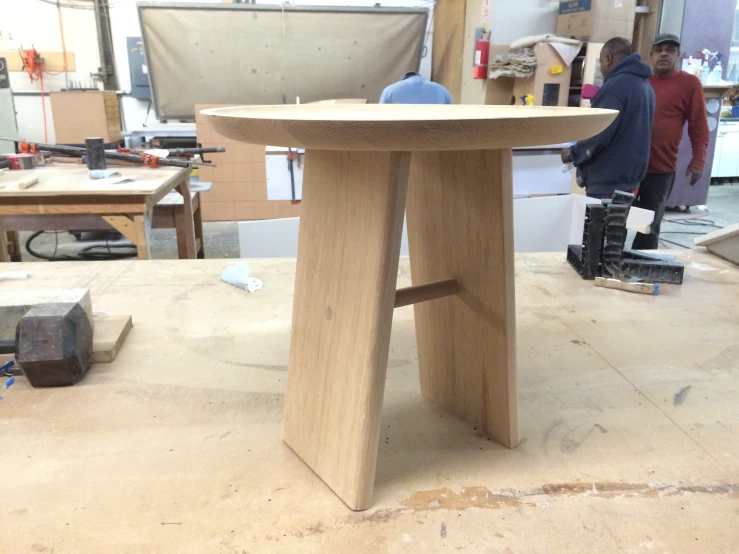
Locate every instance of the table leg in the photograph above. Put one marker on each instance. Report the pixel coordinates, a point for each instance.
(348, 249)
(14, 246)
(460, 226)
(4, 254)
(198, 220)
(142, 228)
(184, 222)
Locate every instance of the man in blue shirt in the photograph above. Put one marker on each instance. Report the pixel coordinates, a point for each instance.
(414, 89)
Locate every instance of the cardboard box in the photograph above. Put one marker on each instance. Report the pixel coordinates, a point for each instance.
(547, 89)
(89, 113)
(596, 20)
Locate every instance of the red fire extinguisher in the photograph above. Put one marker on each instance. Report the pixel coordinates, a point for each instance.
(482, 48)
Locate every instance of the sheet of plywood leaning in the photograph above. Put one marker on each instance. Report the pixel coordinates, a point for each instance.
(239, 191)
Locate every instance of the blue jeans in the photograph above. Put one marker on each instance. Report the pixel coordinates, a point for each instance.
(653, 193)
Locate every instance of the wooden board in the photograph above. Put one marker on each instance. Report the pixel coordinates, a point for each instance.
(724, 243)
(448, 46)
(107, 340)
(72, 180)
(180, 437)
(17, 297)
(53, 61)
(407, 127)
(348, 251)
(110, 334)
(198, 454)
(460, 226)
(78, 114)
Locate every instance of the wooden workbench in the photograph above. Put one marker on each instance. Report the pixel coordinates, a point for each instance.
(65, 198)
(628, 416)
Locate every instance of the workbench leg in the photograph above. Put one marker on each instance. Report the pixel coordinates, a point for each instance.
(198, 219)
(179, 225)
(348, 249)
(14, 246)
(184, 223)
(142, 228)
(4, 253)
(460, 226)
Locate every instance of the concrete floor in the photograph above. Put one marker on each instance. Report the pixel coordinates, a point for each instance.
(221, 239)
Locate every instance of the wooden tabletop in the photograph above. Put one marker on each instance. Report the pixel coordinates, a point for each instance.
(391, 127)
(629, 426)
(73, 180)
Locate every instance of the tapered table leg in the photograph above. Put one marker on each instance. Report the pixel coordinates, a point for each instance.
(350, 229)
(460, 226)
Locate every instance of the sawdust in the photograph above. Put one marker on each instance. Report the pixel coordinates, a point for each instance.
(470, 497)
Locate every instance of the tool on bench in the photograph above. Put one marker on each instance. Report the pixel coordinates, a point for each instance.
(146, 159)
(95, 147)
(53, 344)
(640, 287)
(177, 152)
(602, 252)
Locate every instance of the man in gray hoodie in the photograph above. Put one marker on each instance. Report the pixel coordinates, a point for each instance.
(617, 158)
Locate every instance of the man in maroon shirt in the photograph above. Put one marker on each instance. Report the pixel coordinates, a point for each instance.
(679, 99)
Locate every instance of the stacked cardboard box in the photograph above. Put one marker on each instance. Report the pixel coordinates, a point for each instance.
(596, 20)
(239, 190)
(547, 89)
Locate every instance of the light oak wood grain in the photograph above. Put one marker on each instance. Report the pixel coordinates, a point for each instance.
(407, 127)
(350, 229)
(110, 334)
(460, 225)
(425, 292)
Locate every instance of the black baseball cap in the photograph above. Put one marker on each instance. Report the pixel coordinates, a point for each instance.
(666, 39)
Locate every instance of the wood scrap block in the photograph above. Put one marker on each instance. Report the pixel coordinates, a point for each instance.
(108, 337)
(14, 304)
(723, 243)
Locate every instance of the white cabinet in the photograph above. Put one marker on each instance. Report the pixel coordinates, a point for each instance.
(726, 158)
(717, 154)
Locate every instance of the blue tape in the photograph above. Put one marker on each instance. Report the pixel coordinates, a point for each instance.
(5, 368)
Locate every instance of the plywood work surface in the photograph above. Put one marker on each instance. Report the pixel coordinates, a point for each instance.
(407, 127)
(73, 180)
(629, 426)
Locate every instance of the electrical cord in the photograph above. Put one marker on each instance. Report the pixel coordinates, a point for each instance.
(87, 253)
(675, 243)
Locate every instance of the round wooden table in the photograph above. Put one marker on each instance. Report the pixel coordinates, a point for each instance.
(450, 166)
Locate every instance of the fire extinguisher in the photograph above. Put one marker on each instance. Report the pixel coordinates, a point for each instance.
(482, 48)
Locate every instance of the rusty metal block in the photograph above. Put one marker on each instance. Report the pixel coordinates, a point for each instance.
(54, 344)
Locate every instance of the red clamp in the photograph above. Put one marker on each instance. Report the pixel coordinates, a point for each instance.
(28, 147)
(123, 150)
(150, 160)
